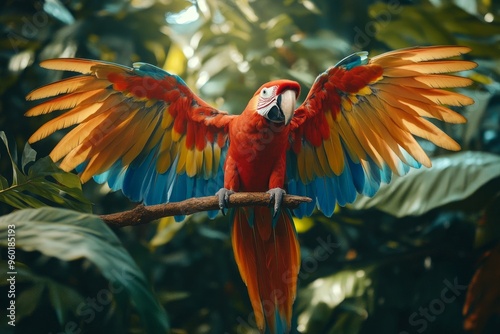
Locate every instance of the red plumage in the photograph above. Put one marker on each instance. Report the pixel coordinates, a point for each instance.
(268, 258)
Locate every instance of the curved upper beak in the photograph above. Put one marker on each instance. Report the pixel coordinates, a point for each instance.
(287, 104)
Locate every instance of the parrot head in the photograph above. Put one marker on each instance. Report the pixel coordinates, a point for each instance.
(275, 100)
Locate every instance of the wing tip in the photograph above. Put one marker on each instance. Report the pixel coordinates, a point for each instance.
(34, 95)
(419, 54)
(80, 65)
(448, 143)
(463, 49)
(52, 63)
(460, 49)
(33, 139)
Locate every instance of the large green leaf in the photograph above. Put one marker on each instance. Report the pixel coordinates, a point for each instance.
(70, 236)
(428, 24)
(345, 291)
(383, 295)
(43, 184)
(451, 178)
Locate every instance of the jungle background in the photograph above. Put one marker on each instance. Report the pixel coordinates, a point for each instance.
(422, 256)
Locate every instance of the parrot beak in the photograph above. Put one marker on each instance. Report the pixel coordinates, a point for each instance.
(277, 107)
(286, 102)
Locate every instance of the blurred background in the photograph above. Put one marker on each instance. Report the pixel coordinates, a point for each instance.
(422, 256)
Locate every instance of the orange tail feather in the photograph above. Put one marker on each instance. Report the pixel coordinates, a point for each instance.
(268, 259)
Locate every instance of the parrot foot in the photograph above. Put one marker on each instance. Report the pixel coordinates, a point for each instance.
(277, 195)
(223, 195)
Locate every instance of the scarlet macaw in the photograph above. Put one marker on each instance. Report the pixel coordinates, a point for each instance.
(142, 130)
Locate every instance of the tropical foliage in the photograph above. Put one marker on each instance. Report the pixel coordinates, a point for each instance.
(420, 257)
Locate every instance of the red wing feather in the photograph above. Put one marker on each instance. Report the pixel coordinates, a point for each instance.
(115, 106)
(141, 129)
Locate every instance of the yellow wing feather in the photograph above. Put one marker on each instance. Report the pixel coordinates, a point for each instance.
(435, 81)
(208, 158)
(120, 117)
(382, 135)
(62, 87)
(381, 118)
(105, 146)
(84, 66)
(140, 133)
(419, 54)
(400, 135)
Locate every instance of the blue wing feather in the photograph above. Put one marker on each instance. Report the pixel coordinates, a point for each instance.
(342, 189)
(141, 182)
(354, 100)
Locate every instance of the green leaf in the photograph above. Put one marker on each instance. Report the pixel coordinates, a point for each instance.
(28, 300)
(345, 290)
(451, 179)
(3, 182)
(29, 155)
(16, 173)
(69, 236)
(166, 230)
(428, 24)
(64, 300)
(44, 184)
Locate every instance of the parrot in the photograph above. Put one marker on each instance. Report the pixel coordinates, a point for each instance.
(143, 131)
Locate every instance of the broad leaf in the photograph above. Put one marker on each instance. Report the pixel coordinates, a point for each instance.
(70, 236)
(401, 26)
(451, 179)
(345, 290)
(167, 228)
(42, 184)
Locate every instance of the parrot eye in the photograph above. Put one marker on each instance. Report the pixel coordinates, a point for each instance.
(266, 92)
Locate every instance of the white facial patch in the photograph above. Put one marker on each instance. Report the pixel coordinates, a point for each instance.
(267, 100)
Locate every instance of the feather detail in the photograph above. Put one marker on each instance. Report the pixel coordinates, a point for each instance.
(430, 81)
(164, 154)
(76, 115)
(69, 85)
(268, 260)
(441, 66)
(84, 66)
(208, 158)
(419, 54)
(64, 102)
(386, 143)
(135, 127)
(373, 108)
(402, 136)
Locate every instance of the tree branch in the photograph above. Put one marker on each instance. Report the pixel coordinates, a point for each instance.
(144, 214)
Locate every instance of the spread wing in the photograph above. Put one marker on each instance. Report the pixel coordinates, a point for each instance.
(140, 129)
(357, 125)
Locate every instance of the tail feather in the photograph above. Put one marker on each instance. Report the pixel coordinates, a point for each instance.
(268, 259)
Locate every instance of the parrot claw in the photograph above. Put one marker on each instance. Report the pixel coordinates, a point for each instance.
(223, 195)
(276, 195)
